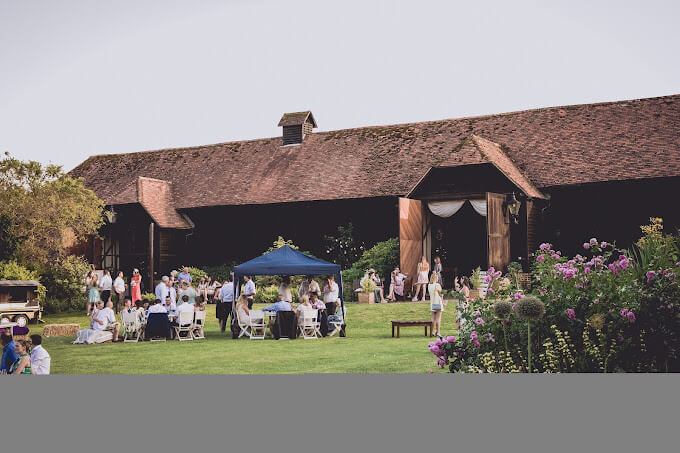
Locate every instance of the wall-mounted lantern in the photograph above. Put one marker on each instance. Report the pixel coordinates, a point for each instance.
(513, 208)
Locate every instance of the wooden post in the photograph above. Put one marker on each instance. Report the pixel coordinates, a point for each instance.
(151, 256)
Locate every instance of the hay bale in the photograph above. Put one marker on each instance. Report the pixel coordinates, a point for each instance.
(60, 330)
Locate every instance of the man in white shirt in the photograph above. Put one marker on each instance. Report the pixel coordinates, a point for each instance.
(249, 290)
(184, 307)
(226, 300)
(119, 288)
(330, 295)
(105, 319)
(40, 359)
(157, 307)
(162, 291)
(105, 286)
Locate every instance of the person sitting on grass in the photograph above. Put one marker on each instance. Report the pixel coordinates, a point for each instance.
(99, 306)
(106, 320)
(22, 365)
(9, 354)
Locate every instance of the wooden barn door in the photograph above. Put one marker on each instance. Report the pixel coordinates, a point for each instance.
(410, 235)
(498, 231)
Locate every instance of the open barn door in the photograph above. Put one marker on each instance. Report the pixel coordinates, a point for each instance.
(498, 231)
(410, 235)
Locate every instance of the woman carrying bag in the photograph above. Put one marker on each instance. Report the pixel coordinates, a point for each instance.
(436, 303)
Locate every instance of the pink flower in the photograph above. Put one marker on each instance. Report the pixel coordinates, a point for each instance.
(430, 372)
(490, 338)
(514, 306)
(542, 291)
(650, 275)
(518, 296)
(491, 270)
(612, 267)
(586, 270)
(586, 245)
(480, 322)
(593, 241)
(571, 313)
(540, 258)
(624, 312)
(473, 335)
(476, 343)
(603, 245)
(451, 339)
(620, 338)
(546, 246)
(631, 317)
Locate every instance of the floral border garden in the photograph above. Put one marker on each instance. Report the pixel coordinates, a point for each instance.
(604, 310)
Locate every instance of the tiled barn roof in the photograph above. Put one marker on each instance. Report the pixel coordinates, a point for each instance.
(553, 146)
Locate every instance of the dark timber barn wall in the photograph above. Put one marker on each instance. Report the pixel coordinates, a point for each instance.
(238, 233)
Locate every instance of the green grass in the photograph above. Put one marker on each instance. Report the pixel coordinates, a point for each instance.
(368, 348)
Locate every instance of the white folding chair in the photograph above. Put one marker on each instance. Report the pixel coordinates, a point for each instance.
(307, 324)
(132, 329)
(257, 325)
(341, 313)
(199, 323)
(243, 324)
(185, 324)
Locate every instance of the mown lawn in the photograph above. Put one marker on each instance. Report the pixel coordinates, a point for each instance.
(368, 348)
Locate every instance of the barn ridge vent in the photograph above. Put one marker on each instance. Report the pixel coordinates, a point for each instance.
(296, 126)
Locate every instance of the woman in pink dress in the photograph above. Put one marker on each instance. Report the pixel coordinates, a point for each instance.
(136, 286)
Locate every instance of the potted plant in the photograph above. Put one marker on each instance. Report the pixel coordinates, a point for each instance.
(367, 293)
(476, 282)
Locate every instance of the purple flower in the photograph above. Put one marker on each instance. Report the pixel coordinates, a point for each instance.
(612, 267)
(586, 245)
(571, 313)
(491, 270)
(476, 343)
(623, 262)
(506, 321)
(451, 339)
(603, 245)
(593, 241)
(518, 296)
(624, 312)
(480, 322)
(650, 275)
(631, 317)
(473, 335)
(620, 338)
(546, 246)
(438, 342)
(490, 338)
(542, 291)
(586, 270)
(540, 258)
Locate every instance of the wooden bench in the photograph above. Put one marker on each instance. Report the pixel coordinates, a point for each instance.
(399, 324)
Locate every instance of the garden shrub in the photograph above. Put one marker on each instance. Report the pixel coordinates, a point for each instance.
(383, 257)
(220, 272)
(64, 281)
(149, 297)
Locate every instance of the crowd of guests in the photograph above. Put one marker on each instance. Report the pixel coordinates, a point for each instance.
(311, 296)
(24, 356)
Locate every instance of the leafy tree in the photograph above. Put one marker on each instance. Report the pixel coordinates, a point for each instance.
(43, 204)
(342, 248)
(9, 242)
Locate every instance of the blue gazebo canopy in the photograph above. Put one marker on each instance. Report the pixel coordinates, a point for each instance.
(287, 261)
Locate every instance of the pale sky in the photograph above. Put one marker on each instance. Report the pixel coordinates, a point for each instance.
(87, 77)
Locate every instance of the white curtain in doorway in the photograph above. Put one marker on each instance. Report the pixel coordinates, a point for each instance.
(445, 208)
(479, 206)
(449, 208)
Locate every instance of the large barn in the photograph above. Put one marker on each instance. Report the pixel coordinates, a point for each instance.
(477, 191)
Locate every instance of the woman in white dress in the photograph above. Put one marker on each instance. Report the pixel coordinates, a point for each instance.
(436, 304)
(421, 283)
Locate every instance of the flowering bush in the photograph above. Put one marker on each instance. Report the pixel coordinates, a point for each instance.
(605, 310)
